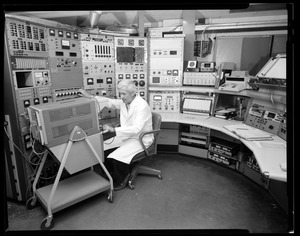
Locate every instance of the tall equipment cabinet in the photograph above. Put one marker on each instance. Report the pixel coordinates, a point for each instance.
(25, 68)
(32, 76)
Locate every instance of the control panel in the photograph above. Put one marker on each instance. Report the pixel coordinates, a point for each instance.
(31, 87)
(28, 63)
(200, 78)
(131, 62)
(65, 93)
(164, 101)
(98, 65)
(27, 50)
(166, 61)
(282, 128)
(207, 66)
(31, 78)
(28, 81)
(26, 39)
(64, 58)
(264, 118)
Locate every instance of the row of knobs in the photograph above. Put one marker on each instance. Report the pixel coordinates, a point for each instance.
(66, 94)
(141, 83)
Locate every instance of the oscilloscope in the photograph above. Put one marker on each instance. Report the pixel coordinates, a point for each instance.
(53, 122)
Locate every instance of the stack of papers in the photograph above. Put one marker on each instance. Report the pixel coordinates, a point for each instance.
(248, 133)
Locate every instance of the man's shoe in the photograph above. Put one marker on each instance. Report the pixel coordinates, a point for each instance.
(123, 184)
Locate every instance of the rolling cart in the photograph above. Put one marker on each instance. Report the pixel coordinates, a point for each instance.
(75, 156)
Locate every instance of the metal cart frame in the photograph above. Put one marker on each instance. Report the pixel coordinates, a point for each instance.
(77, 135)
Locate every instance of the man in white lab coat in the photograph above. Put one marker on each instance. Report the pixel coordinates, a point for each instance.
(135, 118)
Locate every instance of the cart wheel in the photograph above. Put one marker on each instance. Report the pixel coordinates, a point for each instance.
(130, 185)
(45, 225)
(31, 203)
(111, 196)
(159, 176)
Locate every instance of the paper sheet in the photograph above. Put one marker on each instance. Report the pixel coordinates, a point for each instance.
(249, 133)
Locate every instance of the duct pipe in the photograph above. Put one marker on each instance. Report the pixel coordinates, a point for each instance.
(189, 31)
(236, 25)
(94, 17)
(141, 15)
(253, 24)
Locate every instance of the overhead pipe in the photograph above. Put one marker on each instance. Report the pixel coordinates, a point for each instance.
(252, 24)
(94, 17)
(141, 30)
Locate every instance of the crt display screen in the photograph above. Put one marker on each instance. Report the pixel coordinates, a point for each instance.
(125, 54)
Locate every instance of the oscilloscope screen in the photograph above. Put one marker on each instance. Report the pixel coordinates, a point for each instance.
(130, 55)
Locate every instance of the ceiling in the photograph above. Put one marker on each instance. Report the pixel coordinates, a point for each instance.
(152, 18)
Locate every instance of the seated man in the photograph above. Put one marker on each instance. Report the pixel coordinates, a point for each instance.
(135, 118)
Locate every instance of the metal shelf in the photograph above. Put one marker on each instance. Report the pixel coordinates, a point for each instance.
(73, 190)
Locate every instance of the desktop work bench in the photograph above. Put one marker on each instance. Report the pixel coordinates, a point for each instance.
(271, 155)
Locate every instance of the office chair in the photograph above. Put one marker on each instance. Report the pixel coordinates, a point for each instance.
(137, 160)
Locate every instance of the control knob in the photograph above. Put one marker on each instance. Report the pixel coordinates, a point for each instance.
(142, 83)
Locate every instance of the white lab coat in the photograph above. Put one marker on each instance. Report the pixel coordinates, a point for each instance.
(134, 121)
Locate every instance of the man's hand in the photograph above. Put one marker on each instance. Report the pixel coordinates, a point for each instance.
(84, 93)
(108, 128)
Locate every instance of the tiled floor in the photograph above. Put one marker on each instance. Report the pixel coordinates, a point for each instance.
(193, 194)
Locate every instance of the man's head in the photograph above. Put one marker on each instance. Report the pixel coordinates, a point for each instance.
(127, 90)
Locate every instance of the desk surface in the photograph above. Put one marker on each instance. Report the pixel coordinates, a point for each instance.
(270, 155)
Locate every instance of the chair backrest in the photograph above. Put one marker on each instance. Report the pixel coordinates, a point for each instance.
(156, 122)
(152, 149)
